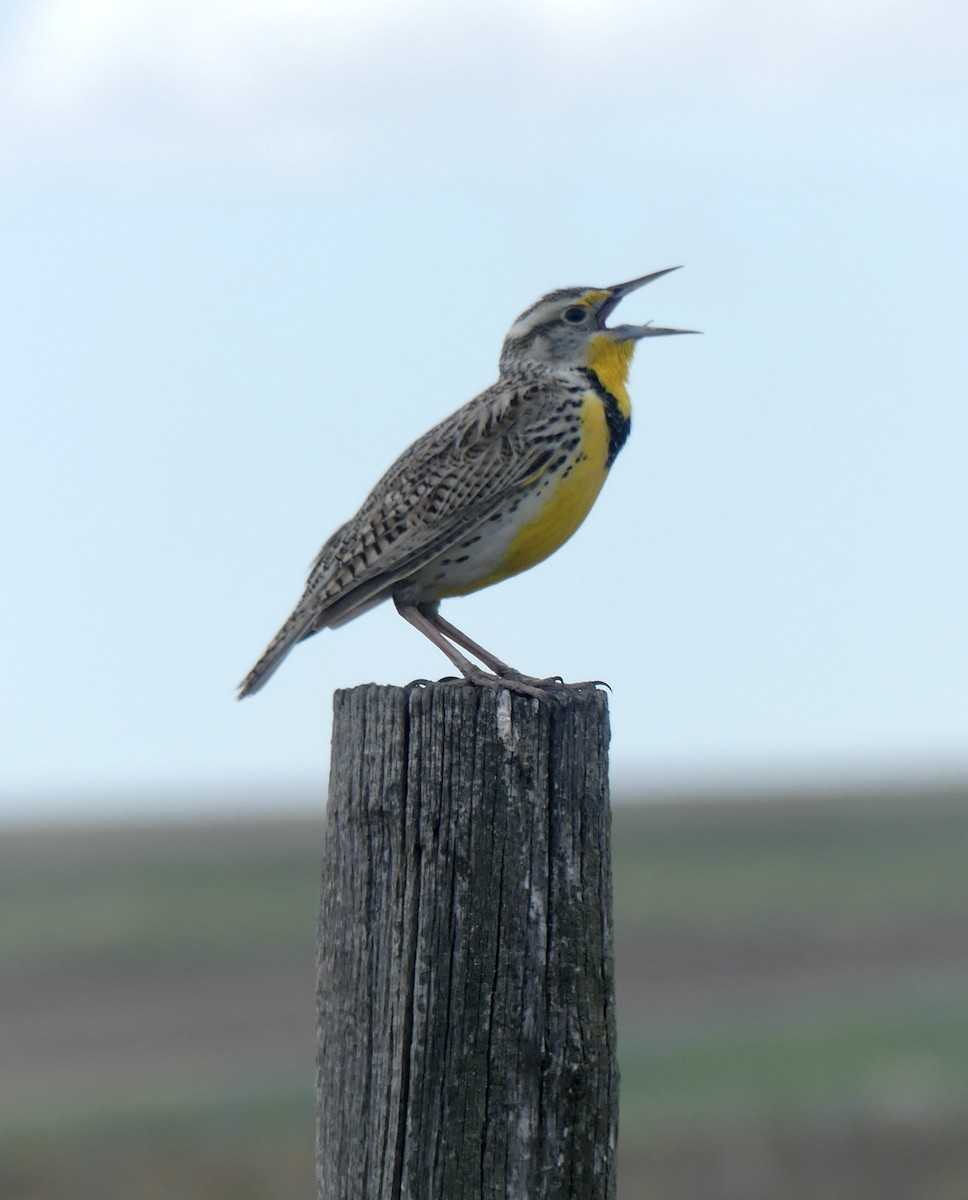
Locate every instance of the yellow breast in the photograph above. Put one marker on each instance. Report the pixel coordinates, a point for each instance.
(565, 502)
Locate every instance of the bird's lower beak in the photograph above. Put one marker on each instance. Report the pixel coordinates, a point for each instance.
(627, 333)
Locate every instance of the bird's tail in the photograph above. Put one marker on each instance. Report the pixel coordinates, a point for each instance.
(298, 626)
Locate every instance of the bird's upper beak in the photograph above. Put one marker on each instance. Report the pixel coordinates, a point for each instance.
(628, 333)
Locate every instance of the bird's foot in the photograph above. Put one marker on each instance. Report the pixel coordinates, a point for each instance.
(549, 690)
(519, 677)
(521, 685)
(553, 682)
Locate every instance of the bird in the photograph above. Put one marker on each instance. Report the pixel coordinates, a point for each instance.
(489, 492)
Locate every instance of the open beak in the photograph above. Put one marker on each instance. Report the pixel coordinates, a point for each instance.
(628, 333)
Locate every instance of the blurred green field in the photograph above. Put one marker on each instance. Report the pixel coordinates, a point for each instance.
(792, 982)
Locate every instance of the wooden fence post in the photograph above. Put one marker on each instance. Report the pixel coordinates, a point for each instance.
(466, 1015)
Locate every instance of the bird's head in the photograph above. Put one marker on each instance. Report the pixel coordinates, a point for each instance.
(567, 328)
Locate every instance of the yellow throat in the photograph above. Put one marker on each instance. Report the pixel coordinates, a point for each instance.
(610, 360)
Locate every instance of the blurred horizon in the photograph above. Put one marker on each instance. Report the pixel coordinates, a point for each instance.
(246, 803)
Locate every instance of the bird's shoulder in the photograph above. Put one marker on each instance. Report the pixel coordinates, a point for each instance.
(515, 405)
(499, 424)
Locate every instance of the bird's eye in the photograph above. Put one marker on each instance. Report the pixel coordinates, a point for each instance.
(575, 316)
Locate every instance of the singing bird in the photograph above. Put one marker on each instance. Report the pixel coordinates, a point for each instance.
(490, 491)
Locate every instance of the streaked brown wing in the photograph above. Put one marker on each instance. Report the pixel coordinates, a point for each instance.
(445, 485)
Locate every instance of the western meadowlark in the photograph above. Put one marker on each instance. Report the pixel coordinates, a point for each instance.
(490, 491)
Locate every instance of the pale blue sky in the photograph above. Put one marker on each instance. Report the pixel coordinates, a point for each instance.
(251, 250)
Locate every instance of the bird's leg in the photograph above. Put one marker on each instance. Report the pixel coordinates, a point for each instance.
(419, 620)
(424, 617)
(496, 664)
(500, 668)
(461, 638)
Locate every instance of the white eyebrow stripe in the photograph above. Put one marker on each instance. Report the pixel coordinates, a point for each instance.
(522, 326)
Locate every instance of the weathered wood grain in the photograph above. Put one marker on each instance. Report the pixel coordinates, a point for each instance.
(466, 1018)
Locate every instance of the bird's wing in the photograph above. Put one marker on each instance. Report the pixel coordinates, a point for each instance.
(445, 485)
